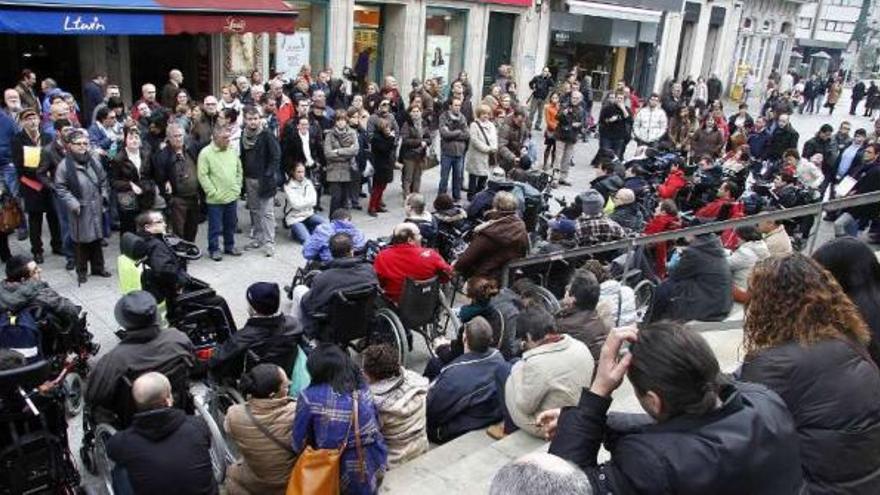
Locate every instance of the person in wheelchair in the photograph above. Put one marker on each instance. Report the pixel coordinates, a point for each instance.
(267, 337)
(344, 272)
(317, 248)
(48, 312)
(405, 259)
(724, 206)
(164, 451)
(414, 208)
(165, 275)
(503, 238)
(144, 346)
(34, 454)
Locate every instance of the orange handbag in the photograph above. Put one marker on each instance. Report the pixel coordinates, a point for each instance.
(316, 471)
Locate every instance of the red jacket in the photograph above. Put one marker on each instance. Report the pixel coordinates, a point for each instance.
(398, 262)
(285, 112)
(661, 223)
(673, 183)
(714, 209)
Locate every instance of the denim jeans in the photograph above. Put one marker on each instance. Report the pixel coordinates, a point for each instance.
(222, 220)
(615, 145)
(456, 165)
(301, 231)
(64, 225)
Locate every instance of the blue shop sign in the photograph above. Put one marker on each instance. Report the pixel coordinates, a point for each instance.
(80, 23)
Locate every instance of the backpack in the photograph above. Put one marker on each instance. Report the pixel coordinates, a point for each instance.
(19, 332)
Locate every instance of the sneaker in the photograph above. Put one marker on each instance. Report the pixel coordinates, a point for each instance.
(496, 431)
(233, 252)
(216, 256)
(38, 258)
(70, 265)
(82, 278)
(564, 182)
(252, 245)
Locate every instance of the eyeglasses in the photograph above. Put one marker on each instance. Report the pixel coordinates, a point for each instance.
(79, 143)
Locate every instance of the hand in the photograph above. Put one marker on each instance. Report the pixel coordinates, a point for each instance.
(441, 341)
(548, 421)
(167, 188)
(612, 366)
(75, 210)
(136, 189)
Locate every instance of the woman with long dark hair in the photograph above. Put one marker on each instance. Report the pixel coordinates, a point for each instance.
(325, 419)
(805, 340)
(855, 267)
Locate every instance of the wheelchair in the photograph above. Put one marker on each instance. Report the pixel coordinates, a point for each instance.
(69, 351)
(35, 455)
(99, 426)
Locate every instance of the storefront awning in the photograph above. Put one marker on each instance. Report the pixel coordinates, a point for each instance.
(613, 11)
(145, 17)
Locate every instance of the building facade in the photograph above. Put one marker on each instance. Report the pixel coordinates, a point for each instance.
(824, 30)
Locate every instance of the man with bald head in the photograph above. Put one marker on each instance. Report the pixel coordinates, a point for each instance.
(164, 450)
(148, 96)
(171, 88)
(406, 258)
(12, 103)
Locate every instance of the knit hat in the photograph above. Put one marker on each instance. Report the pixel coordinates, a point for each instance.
(264, 297)
(563, 225)
(592, 203)
(624, 196)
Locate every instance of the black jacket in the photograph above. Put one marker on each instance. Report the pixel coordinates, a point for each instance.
(292, 148)
(780, 141)
(164, 169)
(141, 350)
(34, 201)
(541, 86)
(273, 339)
(342, 274)
(123, 173)
(165, 452)
(267, 156)
(701, 283)
(747, 446)
(165, 273)
(823, 147)
(833, 393)
(566, 118)
(618, 128)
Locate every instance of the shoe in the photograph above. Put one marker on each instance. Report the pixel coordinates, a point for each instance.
(270, 252)
(318, 208)
(104, 243)
(70, 265)
(357, 207)
(102, 273)
(82, 278)
(363, 195)
(372, 213)
(563, 182)
(382, 205)
(38, 257)
(216, 256)
(233, 252)
(382, 209)
(252, 245)
(22, 234)
(496, 431)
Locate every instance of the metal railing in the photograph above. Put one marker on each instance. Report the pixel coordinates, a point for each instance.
(629, 244)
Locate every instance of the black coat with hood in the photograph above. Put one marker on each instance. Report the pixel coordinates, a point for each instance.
(701, 282)
(15, 296)
(165, 452)
(273, 339)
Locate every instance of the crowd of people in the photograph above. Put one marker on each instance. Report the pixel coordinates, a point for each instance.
(810, 326)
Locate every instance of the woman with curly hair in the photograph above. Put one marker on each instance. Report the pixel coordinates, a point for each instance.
(805, 340)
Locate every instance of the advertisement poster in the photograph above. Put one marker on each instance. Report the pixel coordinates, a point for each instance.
(437, 53)
(291, 52)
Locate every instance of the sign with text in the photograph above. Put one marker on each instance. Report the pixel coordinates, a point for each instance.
(291, 52)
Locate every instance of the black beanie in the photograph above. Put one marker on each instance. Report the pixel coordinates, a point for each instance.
(264, 297)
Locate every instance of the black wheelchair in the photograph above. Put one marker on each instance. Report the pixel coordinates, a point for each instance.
(68, 351)
(35, 455)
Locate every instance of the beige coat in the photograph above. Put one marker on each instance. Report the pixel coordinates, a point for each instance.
(401, 403)
(548, 376)
(476, 160)
(264, 467)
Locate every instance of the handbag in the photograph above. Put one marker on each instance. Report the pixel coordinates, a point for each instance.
(431, 161)
(493, 159)
(316, 471)
(10, 215)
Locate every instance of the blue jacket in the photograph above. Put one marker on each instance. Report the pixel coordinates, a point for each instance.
(8, 130)
(757, 142)
(318, 245)
(464, 396)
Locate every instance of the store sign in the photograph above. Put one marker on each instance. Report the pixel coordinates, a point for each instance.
(235, 25)
(292, 52)
(437, 53)
(79, 23)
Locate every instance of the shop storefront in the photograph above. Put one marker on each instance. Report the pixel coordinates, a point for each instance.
(445, 35)
(136, 41)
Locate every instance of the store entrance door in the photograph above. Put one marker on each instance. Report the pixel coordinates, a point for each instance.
(499, 45)
(367, 50)
(152, 57)
(48, 56)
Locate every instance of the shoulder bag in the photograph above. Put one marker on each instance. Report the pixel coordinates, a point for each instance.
(10, 215)
(317, 471)
(265, 431)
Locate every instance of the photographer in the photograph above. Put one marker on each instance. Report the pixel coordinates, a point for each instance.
(570, 120)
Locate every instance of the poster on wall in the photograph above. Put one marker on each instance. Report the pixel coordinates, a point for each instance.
(437, 53)
(291, 52)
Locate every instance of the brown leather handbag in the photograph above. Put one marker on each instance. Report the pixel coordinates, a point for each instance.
(10, 215)
(317, 471)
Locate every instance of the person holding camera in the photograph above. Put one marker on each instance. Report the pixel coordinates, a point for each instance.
(570, 121)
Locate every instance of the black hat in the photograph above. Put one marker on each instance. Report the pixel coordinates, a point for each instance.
(136, 309)
(264, 297)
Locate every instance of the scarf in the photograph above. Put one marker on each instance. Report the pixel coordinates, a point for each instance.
(249, 138)
(344, 137)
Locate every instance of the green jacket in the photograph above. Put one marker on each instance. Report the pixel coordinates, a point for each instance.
(220, 175)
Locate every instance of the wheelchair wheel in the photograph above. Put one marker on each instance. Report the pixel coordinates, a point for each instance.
(73, 394)
(390, 330)
(221, 456)
(102, 462)
(221, 399)
(551, 304)
(446, 324)
(644, 292)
